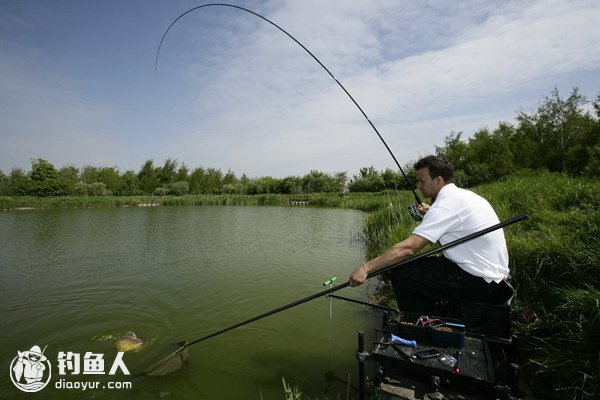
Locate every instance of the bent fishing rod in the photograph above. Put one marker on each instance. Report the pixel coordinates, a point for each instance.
(177, 357)
(417, 199)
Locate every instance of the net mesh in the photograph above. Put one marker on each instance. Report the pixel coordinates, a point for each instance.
(170, 363)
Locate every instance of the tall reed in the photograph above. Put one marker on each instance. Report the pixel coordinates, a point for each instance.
(360, 201)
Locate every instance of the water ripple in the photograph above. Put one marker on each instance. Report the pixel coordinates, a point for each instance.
(78, 279)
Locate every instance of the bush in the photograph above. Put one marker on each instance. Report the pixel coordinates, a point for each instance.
(178, 188)
(7, 203)
(160, 191)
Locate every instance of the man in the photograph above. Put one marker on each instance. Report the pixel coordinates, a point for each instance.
(471, 272)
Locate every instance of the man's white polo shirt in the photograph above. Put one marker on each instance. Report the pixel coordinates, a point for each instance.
(457, 213)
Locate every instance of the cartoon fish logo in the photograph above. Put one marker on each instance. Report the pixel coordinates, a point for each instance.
(30, 370)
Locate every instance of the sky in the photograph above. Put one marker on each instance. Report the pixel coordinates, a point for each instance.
(79, 87)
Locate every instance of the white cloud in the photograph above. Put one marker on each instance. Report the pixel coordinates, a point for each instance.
(233, 92)
(501, 55)
(271, 94)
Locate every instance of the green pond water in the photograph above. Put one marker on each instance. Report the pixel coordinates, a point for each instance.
(76, 280)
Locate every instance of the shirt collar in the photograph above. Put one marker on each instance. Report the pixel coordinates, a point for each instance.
(445, 191)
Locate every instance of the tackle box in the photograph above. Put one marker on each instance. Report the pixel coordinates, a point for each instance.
(443, 332)
(473, 361)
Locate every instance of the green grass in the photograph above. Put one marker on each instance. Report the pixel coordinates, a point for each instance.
(7, 203)
(294, 392)
(555, 263)
(359, 201)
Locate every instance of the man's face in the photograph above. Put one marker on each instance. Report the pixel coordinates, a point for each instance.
(429, 187)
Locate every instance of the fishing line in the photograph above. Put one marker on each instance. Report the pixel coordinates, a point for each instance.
(417, 199)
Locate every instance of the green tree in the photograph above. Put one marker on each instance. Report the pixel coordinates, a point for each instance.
(69, 174)
(393, 179)
(89, 174)
(582, 157)
(559, 136)
(42, 171)
(195, 180)
(148, 177)
(4, 185)
(213, 180)
(182, 173)
(44, 180)
(208, 180)
(19, 183)
(111, 178)
(489, 156)
(550, 134)
(340, 181)
(290, 185)
(178, 188)
(230, 178)
(455, 149)
(129, 184)
(98, 189)
(263, 185)
(167, 173)
(368, 180)
(588, 150)
(319, 182)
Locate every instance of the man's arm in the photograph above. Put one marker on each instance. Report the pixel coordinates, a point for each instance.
(398, 252)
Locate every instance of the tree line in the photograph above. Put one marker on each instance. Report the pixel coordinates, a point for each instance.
(171, 178)
(560, 136)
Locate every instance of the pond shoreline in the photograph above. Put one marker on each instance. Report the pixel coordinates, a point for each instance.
(359, 201)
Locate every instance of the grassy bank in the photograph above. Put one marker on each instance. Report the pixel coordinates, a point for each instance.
(556, 266)
(555, 262)
(362, 201)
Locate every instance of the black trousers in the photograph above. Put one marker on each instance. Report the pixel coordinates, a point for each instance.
(423, 286)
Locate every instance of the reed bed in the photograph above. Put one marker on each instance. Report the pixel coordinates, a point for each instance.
(360, 201)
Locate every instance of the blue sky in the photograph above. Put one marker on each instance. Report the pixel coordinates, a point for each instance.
(78, 85)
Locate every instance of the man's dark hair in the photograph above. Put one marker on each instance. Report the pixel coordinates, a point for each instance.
(438, 166)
